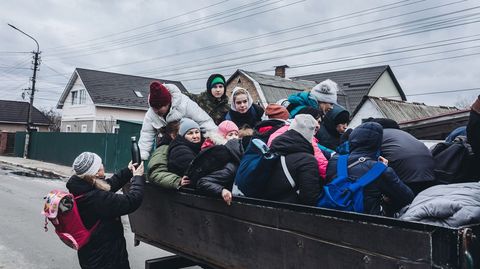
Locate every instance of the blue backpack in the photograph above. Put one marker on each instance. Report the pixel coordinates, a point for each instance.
(255, 168)
(345, 194)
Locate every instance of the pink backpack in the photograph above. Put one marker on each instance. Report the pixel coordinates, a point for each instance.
(61, 210)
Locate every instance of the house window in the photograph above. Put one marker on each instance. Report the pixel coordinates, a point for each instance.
(84, 128)
(68, 128)
(74, 97)
(79, 97)
(138, 93)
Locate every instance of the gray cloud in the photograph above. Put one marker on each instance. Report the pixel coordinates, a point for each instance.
(70, 31)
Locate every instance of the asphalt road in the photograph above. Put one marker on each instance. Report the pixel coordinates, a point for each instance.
(23, 242)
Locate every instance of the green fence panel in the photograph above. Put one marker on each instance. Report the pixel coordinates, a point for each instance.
(126, 131)
(63, 148)
(19, 143)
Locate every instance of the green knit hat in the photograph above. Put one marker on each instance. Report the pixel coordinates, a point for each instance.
(217, 80)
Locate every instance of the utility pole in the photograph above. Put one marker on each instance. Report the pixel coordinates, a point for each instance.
(36, 63)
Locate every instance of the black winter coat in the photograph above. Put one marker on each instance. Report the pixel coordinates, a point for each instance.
(181, 152)
(410, 158)
(214, 183)
(107, 247)
(302, 166)
(473, 137)
(327, 135)
(473, 132)
(365, 141)
(248, 119)
(264, 129)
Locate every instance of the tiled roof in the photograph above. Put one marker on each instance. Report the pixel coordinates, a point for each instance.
(112, 89)
(355, 83)
(402, 111)
(17, 112)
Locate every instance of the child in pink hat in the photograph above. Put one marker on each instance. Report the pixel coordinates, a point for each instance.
(226, 130)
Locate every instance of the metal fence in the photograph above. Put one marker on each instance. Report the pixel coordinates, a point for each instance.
(62, 148)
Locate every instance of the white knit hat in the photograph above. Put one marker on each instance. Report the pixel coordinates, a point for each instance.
(87, 164)
(325, 92)
(305, 124)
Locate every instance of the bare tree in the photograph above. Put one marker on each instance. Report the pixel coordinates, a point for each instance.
(464, 102)
(106, 125)
(54, 117)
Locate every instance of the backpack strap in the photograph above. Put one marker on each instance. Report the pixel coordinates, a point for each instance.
(342, 170)
(287, 173)
(96, 223)
(369, 177)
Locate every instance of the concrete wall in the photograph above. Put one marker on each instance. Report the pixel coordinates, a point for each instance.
(76, 126)
(384, 87)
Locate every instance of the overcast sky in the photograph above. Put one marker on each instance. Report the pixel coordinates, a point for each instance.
(431, 45)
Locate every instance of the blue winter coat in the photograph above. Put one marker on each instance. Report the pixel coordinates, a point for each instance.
(299, 101)
(365, 141)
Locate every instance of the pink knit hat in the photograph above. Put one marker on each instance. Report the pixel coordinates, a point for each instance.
(226, 127)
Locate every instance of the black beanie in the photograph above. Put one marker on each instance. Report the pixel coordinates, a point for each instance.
(342, 117)
(386, 123)
(310, 110)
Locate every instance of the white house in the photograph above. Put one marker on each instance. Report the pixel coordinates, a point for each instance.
(375, 81)
(93, 100)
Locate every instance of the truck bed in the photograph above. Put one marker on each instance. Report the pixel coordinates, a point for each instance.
(254, 233)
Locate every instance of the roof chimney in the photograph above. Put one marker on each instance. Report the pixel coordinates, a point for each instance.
(280, 70)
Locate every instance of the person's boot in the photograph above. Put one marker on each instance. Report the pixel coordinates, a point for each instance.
(476, 105)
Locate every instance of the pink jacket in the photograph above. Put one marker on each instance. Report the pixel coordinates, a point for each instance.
(321, 160)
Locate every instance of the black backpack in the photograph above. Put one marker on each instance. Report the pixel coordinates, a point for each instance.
(207, 161)
(453, 161)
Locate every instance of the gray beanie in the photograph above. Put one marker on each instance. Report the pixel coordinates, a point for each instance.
(187, 124)
(87, 164)
(325, 92)
(305, 124)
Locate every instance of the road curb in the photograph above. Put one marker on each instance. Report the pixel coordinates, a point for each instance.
(47, 173)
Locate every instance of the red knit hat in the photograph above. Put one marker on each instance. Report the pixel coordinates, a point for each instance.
(159, 95)
(275, 111)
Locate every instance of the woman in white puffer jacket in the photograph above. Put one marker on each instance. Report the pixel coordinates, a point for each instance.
(168, 104)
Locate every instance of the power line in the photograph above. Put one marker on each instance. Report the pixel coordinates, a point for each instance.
(385, 7)
(356, 42)
(145, 25)
(282, 31)
(380, 37)
(441, 92)
(187, 25)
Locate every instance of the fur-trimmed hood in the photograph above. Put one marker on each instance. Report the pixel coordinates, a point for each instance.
(216, 138)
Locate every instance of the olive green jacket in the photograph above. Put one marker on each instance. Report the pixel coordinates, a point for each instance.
(158, 172)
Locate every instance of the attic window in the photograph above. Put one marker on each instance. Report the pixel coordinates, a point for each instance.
(239, 80)
(79, 97)
(138, 93)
